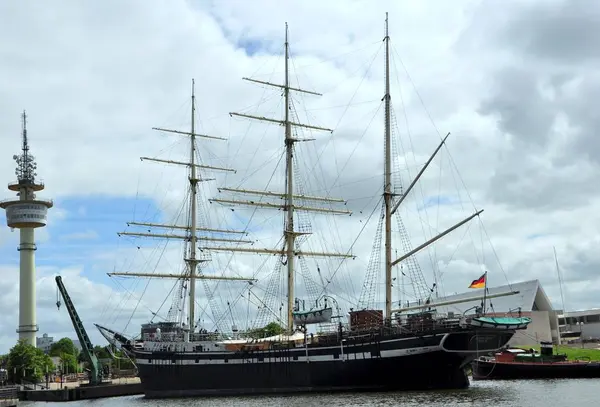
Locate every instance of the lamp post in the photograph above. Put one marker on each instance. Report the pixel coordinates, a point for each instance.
(581, 323)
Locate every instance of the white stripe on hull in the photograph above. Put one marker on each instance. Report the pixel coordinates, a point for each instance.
(318, 358)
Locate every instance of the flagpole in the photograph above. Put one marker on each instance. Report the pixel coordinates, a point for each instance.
(484, 291)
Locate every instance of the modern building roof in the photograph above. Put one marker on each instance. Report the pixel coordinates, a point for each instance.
(581, 313)
(530, 297)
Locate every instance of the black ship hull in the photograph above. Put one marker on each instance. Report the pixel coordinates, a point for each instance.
(492, 370)
(434, 370)
(433, 361)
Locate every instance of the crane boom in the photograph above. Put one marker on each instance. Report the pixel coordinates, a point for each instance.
(86, 345)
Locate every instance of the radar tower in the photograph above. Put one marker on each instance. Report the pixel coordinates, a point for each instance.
(26, 213)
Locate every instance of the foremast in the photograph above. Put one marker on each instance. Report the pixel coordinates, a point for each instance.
(393, 201)
(192, 229)
(289, 206)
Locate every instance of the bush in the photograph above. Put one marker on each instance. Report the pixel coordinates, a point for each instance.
(26, 362)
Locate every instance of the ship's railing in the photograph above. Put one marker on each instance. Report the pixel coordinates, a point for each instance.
(331, 327)
(405, 324)
(427, 321)
(179, 336)
(205, 336)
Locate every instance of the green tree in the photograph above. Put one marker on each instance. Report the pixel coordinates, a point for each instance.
(268, 330)
(26, 362)
(64, 346)
(273, 329)
(69, 363)
(101, 352)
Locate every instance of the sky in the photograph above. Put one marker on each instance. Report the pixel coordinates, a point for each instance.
(511, 81)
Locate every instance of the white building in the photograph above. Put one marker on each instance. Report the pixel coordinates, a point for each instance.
(44, 342)
(531, 301)
(586, 322)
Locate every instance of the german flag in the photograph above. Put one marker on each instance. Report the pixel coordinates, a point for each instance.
(480, 282)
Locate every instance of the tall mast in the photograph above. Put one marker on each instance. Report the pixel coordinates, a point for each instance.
(387, 188)
(388, 195)
(288, 195)
(192, 232)
(290, 236)
(192, 262)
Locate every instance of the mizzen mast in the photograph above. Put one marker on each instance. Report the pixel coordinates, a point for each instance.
(389, 197)
(387, 188)
(192, 228)
(289, 197)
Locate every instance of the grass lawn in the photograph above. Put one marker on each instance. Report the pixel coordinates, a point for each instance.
(574, 352)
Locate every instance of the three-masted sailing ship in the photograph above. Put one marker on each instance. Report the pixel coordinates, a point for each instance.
(423, 349)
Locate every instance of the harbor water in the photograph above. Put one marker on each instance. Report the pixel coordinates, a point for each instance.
(522, 393)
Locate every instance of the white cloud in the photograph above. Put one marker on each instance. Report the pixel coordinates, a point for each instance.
(95, 79)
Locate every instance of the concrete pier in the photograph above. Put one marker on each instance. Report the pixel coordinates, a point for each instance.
(9, 397)
(74, 391)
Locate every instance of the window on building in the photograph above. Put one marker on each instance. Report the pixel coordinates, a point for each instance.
(593, 318)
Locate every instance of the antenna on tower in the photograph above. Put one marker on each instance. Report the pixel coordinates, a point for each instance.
(26, 164)
(25, 146)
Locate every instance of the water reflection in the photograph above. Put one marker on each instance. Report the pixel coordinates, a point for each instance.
(542, 393)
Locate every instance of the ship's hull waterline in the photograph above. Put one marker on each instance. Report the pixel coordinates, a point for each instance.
(411, 363)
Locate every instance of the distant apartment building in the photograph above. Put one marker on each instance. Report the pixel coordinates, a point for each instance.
(45, 343)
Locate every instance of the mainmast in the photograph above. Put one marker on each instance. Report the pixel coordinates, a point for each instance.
(192, 262)
(290, 236)
(387, 188)
(290, 251)
(193, 229)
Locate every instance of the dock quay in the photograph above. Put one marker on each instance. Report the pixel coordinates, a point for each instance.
(9, 396)
(83, 391)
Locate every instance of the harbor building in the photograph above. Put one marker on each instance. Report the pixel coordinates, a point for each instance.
(528, 300)
(585, 322)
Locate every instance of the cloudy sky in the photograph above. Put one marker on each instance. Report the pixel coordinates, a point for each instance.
(512, 81)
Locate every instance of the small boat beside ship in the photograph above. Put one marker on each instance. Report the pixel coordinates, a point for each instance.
(515, 363)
